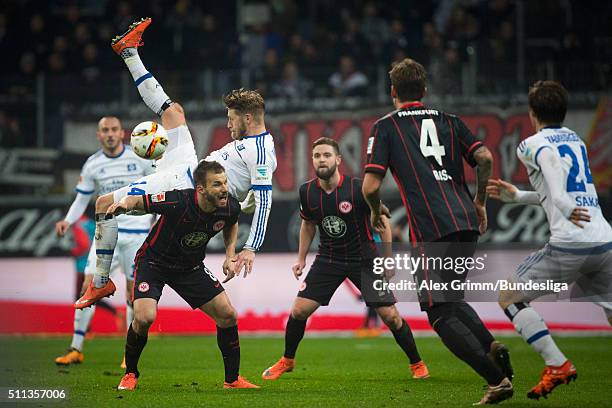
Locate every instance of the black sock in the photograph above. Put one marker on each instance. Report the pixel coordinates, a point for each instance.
(293, 335)
(229, 344)
(133, 348)
(405, 339)
(459, 339)
(468, 316)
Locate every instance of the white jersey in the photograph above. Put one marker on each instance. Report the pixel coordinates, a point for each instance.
(249, 165)
(578, 185)
(103, 174)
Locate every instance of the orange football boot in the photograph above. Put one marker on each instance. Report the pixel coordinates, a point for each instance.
(284, 365)
(72, 356)
(241, 382)
(128, 382)
(551, 377)
(419, 370)
(93, 294)
(132, 37)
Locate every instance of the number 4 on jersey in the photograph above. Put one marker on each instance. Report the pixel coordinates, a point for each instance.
(429, 132)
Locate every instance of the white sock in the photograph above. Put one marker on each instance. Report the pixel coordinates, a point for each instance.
(106, 240)
(531, 326)
(129, 314)
(82, 318)
(150, 90)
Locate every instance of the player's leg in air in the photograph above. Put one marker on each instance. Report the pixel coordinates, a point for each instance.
(174, 169)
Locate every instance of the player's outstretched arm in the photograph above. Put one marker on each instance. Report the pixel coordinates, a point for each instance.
(126, 204)
(77, 208)
(230, 237)
(508, 193)
(308, 229)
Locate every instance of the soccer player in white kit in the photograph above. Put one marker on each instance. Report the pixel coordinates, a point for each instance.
(113, 166)
(580, 245)
(249, 162)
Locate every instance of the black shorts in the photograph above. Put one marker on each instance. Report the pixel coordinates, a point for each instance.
(197, 286)
(457, 245)
(324, 278)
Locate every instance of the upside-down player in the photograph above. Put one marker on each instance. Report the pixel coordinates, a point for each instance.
(333, 202)
(113, 166)
(172, 255)
(580, 245)
(249, 160)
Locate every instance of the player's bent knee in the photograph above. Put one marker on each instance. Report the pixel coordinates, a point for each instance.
(227, 317)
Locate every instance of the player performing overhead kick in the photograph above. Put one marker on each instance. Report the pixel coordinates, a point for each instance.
(580, 245)
(249, 161)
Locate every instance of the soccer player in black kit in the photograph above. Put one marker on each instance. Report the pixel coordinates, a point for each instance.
(425, 148)
(333, 202)
(172, 255)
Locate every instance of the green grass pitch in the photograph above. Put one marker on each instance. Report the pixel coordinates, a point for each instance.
(348, 372)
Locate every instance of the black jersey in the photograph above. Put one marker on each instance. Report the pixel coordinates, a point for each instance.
(179, 238)
(424, 149)
(343, 218)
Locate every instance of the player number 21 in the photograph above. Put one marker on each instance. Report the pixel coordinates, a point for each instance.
(429, 133)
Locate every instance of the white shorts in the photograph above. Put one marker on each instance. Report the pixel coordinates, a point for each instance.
(589, 268)
(174, 169)
(123, 258)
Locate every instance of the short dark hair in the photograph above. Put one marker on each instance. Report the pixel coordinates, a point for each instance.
(245, 101)
(548, 101)
(327, 141)
(409, 79)
(205, 167)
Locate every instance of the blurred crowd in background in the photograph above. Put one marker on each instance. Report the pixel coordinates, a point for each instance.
(295, 49)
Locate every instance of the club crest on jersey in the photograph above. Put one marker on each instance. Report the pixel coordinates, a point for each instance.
(240, 147)
(159, 197)
(131, 167)
(143, 287)
(194, 240)
(345, 207)
(334, 226)
(218, 226)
